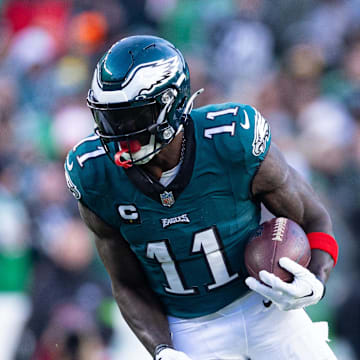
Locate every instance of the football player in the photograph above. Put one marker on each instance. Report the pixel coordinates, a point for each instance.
(173, 193)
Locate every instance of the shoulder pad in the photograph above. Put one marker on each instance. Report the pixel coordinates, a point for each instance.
(77, 166)
(239, 132)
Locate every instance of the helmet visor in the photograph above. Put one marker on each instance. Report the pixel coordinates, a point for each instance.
(121, 123)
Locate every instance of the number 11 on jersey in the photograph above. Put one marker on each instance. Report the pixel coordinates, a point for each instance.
(211, 131)
(206, 241)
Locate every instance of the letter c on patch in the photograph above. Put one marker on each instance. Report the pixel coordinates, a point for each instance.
(129, 214)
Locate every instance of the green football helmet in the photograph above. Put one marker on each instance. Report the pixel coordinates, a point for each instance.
(139, 98)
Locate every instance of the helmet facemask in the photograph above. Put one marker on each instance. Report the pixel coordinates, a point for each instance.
(161, 133)
(138, 131)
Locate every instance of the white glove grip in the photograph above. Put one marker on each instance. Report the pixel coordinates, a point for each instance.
(305, 289)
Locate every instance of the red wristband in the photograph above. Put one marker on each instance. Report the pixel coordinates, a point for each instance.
(325, 242)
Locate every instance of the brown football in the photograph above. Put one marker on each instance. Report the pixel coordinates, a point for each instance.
(274, 239)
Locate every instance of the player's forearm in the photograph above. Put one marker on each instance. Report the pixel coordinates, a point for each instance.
(144, 314)
(321, 264)
(316, 218)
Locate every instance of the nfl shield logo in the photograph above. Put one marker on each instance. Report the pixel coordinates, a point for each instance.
(167, 198)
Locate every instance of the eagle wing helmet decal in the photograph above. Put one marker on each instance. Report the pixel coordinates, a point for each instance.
(144, 78)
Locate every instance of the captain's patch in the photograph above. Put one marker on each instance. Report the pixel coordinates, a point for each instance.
(129, 213)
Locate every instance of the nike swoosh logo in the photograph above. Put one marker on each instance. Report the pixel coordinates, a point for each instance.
(267, 304)
(311, 294)
(246, 125)
(68, 164)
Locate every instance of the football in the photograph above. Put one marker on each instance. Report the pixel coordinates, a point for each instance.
(273, 240)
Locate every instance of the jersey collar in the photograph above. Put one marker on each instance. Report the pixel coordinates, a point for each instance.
(153, 188)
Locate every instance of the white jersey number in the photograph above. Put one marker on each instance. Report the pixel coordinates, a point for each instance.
(211, 115)
(209, 242)
(206, 241)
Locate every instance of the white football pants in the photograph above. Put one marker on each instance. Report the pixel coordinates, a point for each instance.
(246, 328)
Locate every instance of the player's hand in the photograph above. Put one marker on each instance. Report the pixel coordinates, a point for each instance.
(303, 291)
(171, 354)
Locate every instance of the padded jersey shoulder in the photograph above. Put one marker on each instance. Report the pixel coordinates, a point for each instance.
(86, 166)
(239, 132)
(96, 181)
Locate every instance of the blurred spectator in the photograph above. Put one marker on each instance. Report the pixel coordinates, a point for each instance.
(74, 334)
(342, 81)
(347, 326)
(19, 14)
(31, 47)
(64, 281)
(189, 23)
(325, 132)
(15, 267)
(65, 131)
(302, 68)
(242, 50)
(71, 78)
(325, 26)
(88, 32)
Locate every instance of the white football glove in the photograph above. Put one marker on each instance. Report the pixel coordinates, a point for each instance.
(168, 353)
(303, 291)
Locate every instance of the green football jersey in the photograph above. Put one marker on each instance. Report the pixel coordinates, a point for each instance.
(190, 235)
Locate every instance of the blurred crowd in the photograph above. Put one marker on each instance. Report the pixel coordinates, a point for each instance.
(297, 62)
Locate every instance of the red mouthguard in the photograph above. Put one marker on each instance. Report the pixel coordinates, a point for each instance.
(117, 158)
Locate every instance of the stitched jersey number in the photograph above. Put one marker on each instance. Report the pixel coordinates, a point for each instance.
(89, 155)
(206, 241)
(211, 115)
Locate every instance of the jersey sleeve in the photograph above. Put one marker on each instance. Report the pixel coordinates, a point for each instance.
(83, 166)
(88, 174)
(241, 137)
(73, 180)
(240, 133)
(254, 137)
